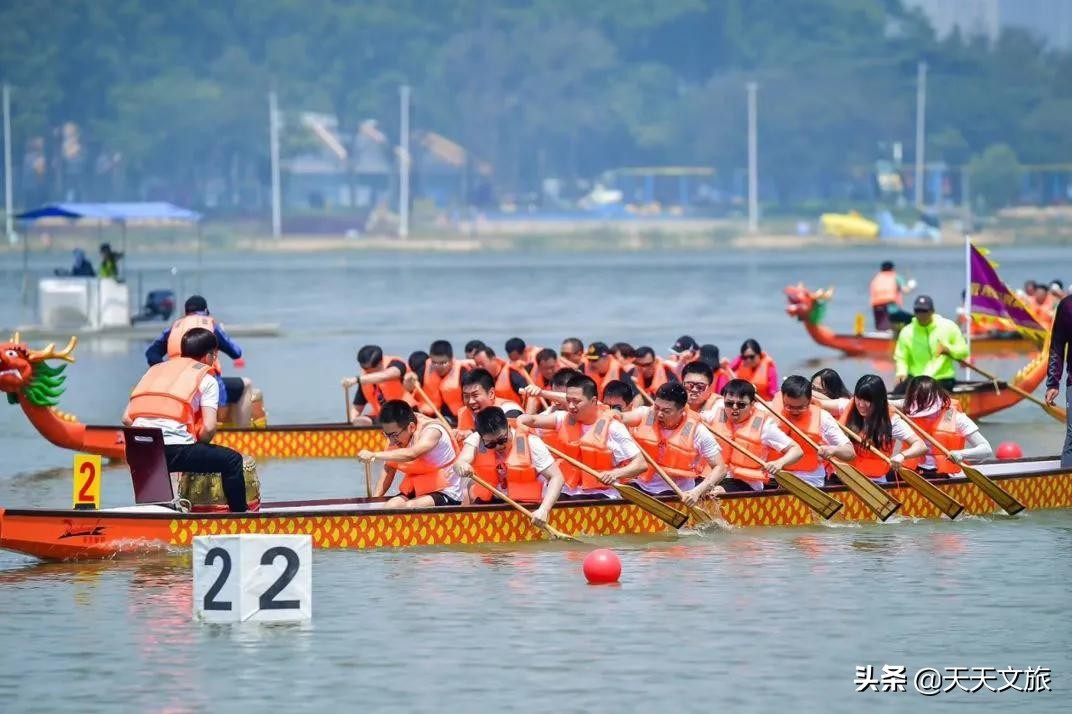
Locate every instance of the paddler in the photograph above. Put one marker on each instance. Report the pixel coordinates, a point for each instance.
(928, 346)
(720, 366)
(546, 366)
(737, 418)
(423, 451)
(887, 297)
(571, 353)
(685, 351)
(380, 381)
(625, 354)
(868, 416)
(441, 379)
(514, 462)
(673, 436)
(697, 378)
(930, 407)
(520, 355)
(794, 402)
(478, 393)
(618, 395)
(180, 396)
(589, 432)
(508, 378)
(650, 372)
(602, 366)
(756, 366)
(236, 392)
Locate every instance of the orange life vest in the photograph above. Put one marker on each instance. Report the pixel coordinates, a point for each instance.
(503, 384)
(810, 422)
(422, 475)
(467, 419)
(943, 427)
(376, 395)
(676, 451)
(884, 289)
(589, 448)
(183, 325)
(167, 391)
(759, 375)
(614, 371)
(866, 462)
(515, 470)
(750, 436)
(660, 377)
(447, 390)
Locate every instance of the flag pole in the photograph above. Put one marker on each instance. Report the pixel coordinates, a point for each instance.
(967, 301)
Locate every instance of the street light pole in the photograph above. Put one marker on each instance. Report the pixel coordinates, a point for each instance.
(9, 217)
(921, 119)
(753, 155)
(404, 163)
(273, 151)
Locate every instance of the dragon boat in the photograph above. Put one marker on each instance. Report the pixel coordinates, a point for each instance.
(362, 523)
(36, 386)
(809, 307)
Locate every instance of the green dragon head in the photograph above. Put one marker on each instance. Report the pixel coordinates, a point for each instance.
(26, 372)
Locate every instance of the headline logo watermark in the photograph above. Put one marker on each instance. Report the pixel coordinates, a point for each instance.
(930, 681)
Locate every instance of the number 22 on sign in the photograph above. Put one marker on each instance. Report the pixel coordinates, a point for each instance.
(87, 481)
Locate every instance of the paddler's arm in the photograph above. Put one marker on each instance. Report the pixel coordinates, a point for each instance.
(208, 424)
(426, 441)
(834, 443)
(916, 446)
(385, 482)
(712, 476)
(464, 465)
(634, 417)
(392, 373)
(227, 346)
(158, 349)
(551, 492)
(538, 421)
(532, 390)
(630, 469)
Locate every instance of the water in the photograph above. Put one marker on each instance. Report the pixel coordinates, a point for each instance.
(750, 620)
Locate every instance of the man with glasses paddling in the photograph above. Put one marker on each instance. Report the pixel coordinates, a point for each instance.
(423, 451)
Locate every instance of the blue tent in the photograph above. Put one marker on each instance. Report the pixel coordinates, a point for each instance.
(113, 212)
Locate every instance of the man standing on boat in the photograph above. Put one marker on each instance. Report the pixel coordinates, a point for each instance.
(516, 463)
(929, 345)
(1060, 339)
(180, 397)
(887, 297)
(423, 451)
(234, 391)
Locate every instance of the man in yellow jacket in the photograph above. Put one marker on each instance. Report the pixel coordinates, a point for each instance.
(928, 346)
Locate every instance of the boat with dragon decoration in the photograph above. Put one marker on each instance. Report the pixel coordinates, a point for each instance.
(361, 523)
(809, 307)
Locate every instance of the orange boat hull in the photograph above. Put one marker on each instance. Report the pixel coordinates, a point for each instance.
(875, 346)
(66, 535)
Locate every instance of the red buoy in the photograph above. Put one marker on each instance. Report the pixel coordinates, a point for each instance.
(602, 566)
(1009, 450)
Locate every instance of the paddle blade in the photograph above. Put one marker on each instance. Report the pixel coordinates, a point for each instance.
(822, 503)
(652, 505)
(873, 496)
(941, 500)
(1056, 412)
(996, 493)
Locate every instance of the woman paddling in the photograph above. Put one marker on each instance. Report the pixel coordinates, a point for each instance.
(868, 415)
(829, 391)
(930, 407)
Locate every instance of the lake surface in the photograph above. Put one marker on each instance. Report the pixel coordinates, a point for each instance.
(752, 620)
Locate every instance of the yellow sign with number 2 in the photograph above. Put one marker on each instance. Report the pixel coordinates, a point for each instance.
(87, 481)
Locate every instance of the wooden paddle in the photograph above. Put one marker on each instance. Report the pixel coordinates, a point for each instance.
(873, 495)
(697, 515)
(346, 394)
(822, 503)
(368, 479)
(551, 531)
(528, 378)
(634, 495)
(987, 485)
(1056, 412)
(941, 500)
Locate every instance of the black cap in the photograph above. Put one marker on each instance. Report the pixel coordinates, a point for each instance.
(685, 343)
(597, 350)
(923, 304)
(886, 266)
(196, 303)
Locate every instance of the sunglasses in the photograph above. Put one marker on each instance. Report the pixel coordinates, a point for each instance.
(501, 441)
(749, 357)
(735, 405)
(695, 386)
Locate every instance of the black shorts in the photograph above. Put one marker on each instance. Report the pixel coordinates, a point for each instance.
(581, 496)
(442, 499)
(733, 485)
(234, 386)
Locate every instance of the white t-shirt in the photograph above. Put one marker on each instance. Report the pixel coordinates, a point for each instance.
(541, 457)
(831, 435)
(963, 426)
(704, 443)
(443, 455)
(620, 444)
(771, 436)
(207, 396)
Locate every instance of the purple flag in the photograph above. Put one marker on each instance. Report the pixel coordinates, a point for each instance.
(991, 296)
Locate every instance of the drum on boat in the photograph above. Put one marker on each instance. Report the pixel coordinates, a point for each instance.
(205, 491)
